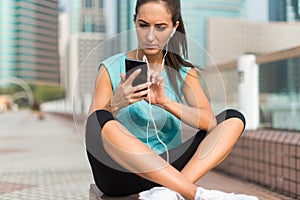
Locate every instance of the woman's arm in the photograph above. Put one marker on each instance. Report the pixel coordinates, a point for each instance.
(103, 91)
(198, 113)
(104, 98)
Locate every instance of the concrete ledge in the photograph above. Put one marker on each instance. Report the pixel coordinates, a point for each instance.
(96, 194)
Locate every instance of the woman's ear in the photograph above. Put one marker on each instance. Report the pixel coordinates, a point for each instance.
(174, 29)
(176, 25)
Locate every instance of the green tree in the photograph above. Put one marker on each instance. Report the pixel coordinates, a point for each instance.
(44, 93)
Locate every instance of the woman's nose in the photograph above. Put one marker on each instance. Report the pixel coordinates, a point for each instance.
(150, 35)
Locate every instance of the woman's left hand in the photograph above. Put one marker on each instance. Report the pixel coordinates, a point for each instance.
(156, 95)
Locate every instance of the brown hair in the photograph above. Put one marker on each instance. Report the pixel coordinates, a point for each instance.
(177, 44)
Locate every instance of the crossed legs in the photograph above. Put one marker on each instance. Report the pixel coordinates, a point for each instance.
(136, 157)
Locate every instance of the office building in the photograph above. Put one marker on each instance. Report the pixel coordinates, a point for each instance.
(125, 22)
(87, 31)
(29, 41)
(196, 14)
(119, 23)
(87, 16)
(230, 38)
(64, 37)
(125, 12)
(284, 10)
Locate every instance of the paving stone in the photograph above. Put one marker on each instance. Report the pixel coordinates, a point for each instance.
(96, 194)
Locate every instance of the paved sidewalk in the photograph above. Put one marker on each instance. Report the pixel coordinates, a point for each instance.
(45, 159)
(41, 159)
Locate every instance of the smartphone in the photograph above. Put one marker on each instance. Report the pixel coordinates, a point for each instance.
(133, 65)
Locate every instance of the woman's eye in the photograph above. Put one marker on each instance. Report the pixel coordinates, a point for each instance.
(143, 25)
(161, 28)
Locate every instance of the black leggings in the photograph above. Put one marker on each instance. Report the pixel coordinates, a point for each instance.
(113, 180)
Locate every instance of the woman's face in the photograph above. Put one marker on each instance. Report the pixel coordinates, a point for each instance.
(154, 27)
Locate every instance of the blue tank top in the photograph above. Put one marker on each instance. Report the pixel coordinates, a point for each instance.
(135, 117)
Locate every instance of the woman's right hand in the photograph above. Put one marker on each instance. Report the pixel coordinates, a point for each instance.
(126, 94)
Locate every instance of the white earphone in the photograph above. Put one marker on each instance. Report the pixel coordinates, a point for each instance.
(173, 32)
(150, 104)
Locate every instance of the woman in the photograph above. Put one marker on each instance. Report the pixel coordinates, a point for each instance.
(132, 131)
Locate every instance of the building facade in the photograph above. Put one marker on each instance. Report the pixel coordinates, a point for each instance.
(230, 38)
(125, 22)
(87, 33)
(196, 14)
(29, 41)
(87, 16)
(284, 10)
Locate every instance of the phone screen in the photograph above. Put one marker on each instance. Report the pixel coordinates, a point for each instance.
(133, 65)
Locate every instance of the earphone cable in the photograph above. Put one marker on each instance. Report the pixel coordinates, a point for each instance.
(150, 115)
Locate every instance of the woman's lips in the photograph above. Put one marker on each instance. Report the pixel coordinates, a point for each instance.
(151, 46)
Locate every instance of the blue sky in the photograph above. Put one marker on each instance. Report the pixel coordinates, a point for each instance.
(64, 3)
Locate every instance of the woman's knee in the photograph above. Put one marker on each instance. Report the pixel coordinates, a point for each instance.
(231, 113)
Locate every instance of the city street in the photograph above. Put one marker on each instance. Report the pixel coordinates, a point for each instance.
(45, 159)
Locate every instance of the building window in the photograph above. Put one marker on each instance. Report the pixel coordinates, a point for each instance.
(88, 3)
(99, 28)
(292, 10)
(101, 4)
(299, 7)
(88, 23)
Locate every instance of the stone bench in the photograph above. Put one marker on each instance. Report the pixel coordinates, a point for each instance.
(96, 194)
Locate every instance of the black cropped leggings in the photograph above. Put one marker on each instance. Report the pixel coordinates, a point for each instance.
(113, 180)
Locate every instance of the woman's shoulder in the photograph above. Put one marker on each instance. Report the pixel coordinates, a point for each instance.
(115, 65)
(112, 60)
(184, 70)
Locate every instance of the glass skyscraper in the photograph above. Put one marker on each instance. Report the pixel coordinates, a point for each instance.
(289, 11)
(87, 33)
(196, 14)
(125, 12)
(29, 41)
(284, 10)
(87, 16)
(293, 10)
